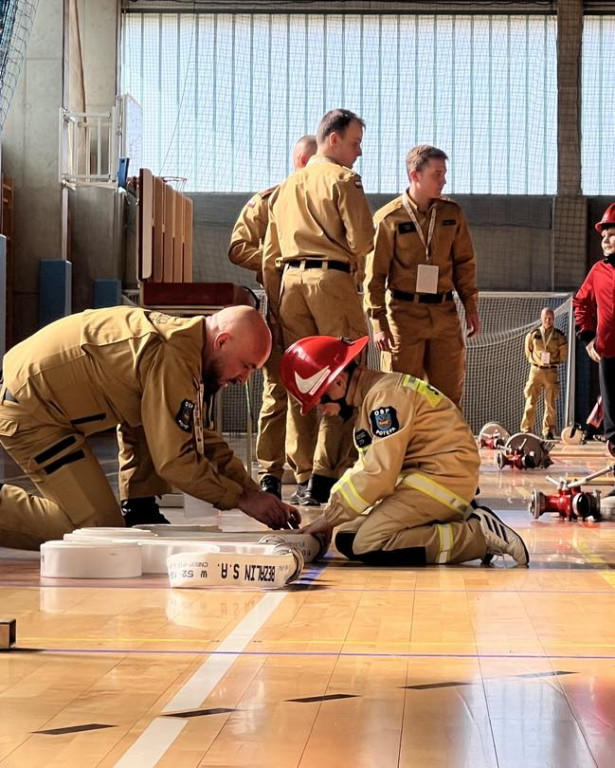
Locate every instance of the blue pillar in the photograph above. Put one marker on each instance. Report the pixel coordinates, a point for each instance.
(54, 290)
(107, 293)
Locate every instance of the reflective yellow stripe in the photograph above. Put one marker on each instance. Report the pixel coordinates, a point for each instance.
(353, 498)
(431, 394)
(445, 532)
(438, 492)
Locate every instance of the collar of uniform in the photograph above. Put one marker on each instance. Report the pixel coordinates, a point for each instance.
(318, 158)
(360, 384)
(415, 207)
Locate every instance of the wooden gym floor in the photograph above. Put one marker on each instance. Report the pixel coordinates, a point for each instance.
(352, 666)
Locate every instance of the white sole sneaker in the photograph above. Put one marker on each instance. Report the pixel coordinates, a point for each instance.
(501, 538)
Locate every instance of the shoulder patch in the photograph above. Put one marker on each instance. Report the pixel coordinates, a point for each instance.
(185, 415)
(358, 183)
(405, 227)
(362, 438)
(384, 421)
(251, 202)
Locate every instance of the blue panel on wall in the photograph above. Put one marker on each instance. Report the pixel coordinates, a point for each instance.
(107, 293)
(54, 290)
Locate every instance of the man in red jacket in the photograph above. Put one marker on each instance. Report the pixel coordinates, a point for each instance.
(594, 312)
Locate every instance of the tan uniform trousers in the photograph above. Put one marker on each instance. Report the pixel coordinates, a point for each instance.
(409, 519)
(319, 302)
(58, 460)
(428, 344)
(272, 437)
(541, 379)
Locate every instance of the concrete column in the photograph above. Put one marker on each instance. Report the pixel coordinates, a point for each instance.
(570, 209)
(30, 149)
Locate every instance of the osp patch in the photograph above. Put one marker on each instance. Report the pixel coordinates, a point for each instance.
(185, 415)
(384, 421)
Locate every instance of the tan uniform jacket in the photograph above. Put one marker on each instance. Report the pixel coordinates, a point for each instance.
(318, 212)
(404, 428)
(557, 347)
(129, 366)
(248, 236)
(398, 250)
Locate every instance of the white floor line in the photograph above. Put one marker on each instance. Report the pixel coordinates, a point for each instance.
(162, 732)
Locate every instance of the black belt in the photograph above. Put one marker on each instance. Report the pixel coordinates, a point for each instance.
(422, 298)
(341, 266)
(543, 367)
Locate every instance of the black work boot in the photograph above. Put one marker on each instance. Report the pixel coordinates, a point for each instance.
(142, 511)
(317, 491)
(271, 484)
(298, 494)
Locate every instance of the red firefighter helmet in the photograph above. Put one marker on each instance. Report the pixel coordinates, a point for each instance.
(310, 366)
(607, 220)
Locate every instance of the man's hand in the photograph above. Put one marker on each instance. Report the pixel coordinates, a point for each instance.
(383, 341)
(320, 526)
(472, 324)
(268, 509)
(591, 351)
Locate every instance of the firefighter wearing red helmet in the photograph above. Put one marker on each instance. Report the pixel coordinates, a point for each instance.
(408, 500)
(594, 312)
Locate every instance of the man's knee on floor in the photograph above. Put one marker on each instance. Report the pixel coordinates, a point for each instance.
(408, 557)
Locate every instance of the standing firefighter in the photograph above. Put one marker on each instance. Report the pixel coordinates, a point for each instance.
(546, 348)
(320, 231)
(422, 252)
(407, 500)
(246, 250)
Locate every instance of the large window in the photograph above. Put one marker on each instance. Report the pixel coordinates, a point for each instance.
(598, 115)
(225, 96)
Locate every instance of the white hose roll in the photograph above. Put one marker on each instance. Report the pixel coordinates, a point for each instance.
(311, 547)
(156, 553)
(98, 560)
(113, 533)
(222, 569)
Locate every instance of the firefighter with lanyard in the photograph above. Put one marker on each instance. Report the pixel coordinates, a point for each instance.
(407, 500)
(422, 252)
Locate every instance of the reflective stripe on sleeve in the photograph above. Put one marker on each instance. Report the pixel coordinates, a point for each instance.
(438, 492)
(445, 533)
(352, 497)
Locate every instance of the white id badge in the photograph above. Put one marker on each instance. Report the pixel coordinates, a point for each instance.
(545, 358)
(427, 278)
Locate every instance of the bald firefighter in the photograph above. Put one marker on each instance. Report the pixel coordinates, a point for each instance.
(422, 252)
(546, 348)
(320, 231)
(148, 374)
(246, 250)
(408, 499)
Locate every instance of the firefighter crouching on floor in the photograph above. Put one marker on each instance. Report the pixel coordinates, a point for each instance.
(150, 375)
(407, 500)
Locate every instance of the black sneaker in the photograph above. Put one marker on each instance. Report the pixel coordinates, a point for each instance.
(142, 511)
(271, 484)
(298, 494)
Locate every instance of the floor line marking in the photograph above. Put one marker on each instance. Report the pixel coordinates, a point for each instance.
(156, 739)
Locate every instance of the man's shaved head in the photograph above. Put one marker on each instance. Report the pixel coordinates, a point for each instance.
(303, 150)
(237, 342)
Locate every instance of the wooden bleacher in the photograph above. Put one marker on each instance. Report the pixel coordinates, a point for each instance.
(165, 249)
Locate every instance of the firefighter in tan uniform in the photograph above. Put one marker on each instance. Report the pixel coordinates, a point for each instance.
(408, 499)
(422, 251)
(246, 250)
(150, 374)
(546, 348)
(320, 231)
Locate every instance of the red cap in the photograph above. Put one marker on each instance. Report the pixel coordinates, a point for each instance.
(607, 220)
